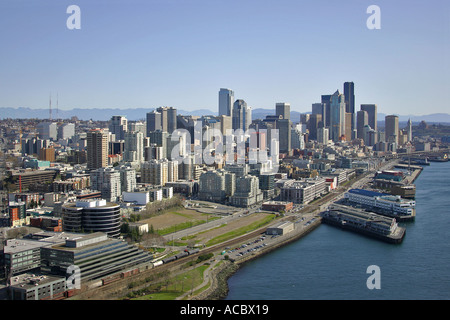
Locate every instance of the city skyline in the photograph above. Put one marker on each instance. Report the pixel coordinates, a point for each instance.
(172, 53)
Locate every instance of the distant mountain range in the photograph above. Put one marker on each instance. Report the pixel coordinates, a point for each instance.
(104, 114)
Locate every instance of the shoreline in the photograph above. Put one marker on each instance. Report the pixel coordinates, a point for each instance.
(219, 276)
(219, 289)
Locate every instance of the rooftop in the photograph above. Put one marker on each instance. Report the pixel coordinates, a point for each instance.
(28, 280)
(367, 193)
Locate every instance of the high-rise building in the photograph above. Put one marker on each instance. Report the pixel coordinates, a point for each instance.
(133, 147)
(118, 126)
(66, 131)
(326, 100)
(97, 149)
(297, 139)
(349, 93)
(362, 121)
(241, 115)
(47, 130)
(127, 178)
(372, 115)
(153, 152)
(168, 118)
(370, 136)
(137, 126)
(226, 102)
(159, 172)
(348, 126)
(107, 181)
(409, 130)
(225, 124)
(315, 121)
(283, 109)
(216, 185)
(47, 154)
(284, 134)
(337, 116)
(159, 138)
(320, 108)
(322, 135)
(391, 128)
(153, 122)
(247, 191)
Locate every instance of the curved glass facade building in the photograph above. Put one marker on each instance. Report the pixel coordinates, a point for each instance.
(92, 215)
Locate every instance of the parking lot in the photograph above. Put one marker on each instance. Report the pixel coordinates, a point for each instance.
(265, 241)
(246, 248)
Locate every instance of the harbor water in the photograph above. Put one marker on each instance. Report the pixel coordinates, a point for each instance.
(332, 264)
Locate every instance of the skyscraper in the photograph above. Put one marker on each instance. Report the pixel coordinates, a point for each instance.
(118, 126)
(314, 123)
(348, 126)
(153, 121)
(168, 118)
(283, 109)
(326, 100)
(97, 149)
(391, 128)
(362, 121)
(372, 115)
(226, 102)
(225, 124)
(409, 130)
(320, 108)
(241, 115)
(284, 134)
(337, 116)
(349, 93)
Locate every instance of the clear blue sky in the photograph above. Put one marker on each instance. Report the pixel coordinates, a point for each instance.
(150, 53)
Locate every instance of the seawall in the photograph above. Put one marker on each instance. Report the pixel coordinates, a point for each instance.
(218, 289)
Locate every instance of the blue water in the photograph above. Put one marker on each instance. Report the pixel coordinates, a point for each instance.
(331, 263)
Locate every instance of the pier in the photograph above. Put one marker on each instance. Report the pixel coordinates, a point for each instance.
(414, 169)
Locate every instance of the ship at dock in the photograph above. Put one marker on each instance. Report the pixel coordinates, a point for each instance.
(392, 206)
(367, 223)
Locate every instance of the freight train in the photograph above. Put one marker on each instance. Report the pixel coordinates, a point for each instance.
(150, 265)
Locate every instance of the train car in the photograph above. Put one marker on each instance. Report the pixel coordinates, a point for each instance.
(110, 279)
(129, 273)
(157, 263)
(181, 255)
(193, 251)
(170, 259)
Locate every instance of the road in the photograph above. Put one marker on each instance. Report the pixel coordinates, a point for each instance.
(232, 216)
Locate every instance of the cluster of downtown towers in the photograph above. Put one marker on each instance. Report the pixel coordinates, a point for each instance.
(334, 118)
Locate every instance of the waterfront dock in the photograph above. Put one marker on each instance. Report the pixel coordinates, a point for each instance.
(366, 223)
(415, 172)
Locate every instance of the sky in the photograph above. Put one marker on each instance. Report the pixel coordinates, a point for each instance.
(151, 53)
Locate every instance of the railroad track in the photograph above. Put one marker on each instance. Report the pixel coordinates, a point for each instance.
(121, 284)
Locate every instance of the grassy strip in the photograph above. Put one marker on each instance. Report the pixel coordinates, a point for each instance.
(243, 230)
(184, 225)
(180, 226)
(171, 288)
